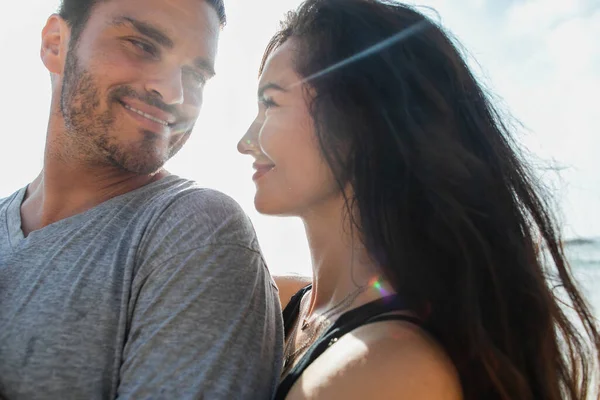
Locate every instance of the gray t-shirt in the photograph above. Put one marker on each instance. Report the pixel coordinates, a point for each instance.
(161, 293)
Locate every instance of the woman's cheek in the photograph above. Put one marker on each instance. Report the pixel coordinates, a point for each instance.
(266, 139)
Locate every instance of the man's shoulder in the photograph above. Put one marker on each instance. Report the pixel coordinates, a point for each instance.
(185, 210)
(183, 198)
(4, 201)
(175, 192)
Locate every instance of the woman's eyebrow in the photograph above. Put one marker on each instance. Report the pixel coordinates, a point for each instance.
(269, 86)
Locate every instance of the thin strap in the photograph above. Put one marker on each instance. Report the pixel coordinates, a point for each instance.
(354, 318)
(397, 317)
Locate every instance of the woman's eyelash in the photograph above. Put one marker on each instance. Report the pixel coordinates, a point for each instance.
(268, 103)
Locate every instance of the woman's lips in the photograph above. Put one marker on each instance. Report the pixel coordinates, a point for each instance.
(261, 170)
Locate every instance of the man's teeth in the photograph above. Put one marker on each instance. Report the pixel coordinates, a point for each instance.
(150, 117)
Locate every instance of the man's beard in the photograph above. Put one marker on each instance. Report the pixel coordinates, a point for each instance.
(94, 134)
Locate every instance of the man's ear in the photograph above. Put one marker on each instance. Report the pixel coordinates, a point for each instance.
(55, 43)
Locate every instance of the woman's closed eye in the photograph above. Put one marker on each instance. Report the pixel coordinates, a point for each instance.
(268, 102)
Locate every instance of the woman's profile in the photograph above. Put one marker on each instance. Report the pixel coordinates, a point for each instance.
(434, 251)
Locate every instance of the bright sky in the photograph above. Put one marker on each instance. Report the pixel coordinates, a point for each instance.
(541, 58)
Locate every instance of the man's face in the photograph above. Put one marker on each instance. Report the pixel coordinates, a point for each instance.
(133, 81)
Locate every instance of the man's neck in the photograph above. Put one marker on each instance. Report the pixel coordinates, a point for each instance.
(63, 190)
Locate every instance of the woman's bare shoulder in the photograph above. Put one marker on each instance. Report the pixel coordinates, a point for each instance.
(386, 360)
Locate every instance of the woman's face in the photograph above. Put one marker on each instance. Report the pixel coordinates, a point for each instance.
(292, 177)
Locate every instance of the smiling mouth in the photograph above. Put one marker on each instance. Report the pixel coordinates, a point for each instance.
(262, 170)
(147, 116)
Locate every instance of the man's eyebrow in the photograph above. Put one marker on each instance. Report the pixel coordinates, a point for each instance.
(269, 86)
(146, 29)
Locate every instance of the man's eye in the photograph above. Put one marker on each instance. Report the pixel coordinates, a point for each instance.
(145, 47)
(196, 79)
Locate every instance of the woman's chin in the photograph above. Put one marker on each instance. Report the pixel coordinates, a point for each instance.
(262, 205)
(270, 207)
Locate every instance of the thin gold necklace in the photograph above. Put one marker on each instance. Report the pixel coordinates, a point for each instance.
(291, 355)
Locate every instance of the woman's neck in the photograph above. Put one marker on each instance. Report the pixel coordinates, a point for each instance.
(340, 263)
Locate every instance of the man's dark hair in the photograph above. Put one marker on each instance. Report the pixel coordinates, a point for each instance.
(77, 13)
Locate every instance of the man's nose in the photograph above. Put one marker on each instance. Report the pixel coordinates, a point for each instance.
(169, 86)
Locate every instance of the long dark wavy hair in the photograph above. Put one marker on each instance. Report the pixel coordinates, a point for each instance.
(442, 199)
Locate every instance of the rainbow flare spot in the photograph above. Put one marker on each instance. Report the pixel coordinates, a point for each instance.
(376, 284)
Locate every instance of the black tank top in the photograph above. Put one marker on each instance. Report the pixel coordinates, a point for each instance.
(375, 311)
